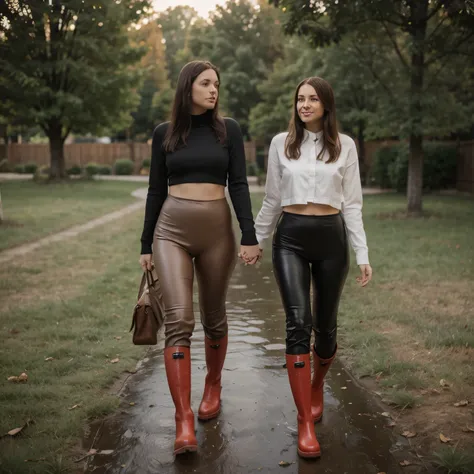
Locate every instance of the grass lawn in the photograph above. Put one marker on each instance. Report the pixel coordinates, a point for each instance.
(72, 302)
(33, 210)
(413, 327)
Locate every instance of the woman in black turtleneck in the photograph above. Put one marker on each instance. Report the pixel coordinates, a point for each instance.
(196, 154)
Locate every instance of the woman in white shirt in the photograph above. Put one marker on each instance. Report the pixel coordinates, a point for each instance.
(312, 175)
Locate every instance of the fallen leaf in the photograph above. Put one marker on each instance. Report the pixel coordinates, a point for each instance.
(444, 439)
(15, 431)
(443, 383)
(118, 338)
(391, 424)
(105, 451)
(13, 378)
(468, 429)
(462, 403)
(343, 388)
(75, 406)
(408, 434)
(131, 371)
(386, 414)
(132, 404)
(114, 361)
(48, 359)
(435, 391)
(405, 463)
(23, 377)
(284, 463)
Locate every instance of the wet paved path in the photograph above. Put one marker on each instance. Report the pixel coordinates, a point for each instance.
(256, 429)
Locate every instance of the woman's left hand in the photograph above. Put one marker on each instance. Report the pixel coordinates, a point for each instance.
(365, 275)
(249, 254)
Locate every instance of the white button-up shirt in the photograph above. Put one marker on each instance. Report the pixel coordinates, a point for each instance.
(310, 180)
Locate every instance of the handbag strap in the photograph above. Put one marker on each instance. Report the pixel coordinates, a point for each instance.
(149, 279)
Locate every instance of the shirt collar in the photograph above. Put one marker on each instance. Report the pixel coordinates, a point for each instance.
(313, 136)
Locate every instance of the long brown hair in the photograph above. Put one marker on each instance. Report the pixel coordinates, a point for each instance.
(180, 123)
(296, 128)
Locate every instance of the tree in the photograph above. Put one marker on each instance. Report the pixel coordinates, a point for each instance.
(153, 106)
(67, 66)
(244, 41)
(176, 24)
(425, 35)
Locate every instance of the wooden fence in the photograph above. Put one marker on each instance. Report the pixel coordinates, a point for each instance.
(106, 154)
(83, 153)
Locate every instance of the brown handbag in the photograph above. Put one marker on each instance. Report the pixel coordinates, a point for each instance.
(148, 314)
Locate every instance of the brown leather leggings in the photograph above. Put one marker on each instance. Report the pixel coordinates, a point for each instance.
(190, 230)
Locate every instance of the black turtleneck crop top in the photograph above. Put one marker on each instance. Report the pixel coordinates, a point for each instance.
(202, 160)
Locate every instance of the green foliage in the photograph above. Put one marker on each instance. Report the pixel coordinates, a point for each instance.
(156, 83)
(176, 24)
(390, 166)
(67, 66)
(243, 42)
(123, 167)
(105, 169)
(19, 168)
(454, 461)
(92, 169)
(74, 170)
(146, 163)
(252, 169)
(30, 168)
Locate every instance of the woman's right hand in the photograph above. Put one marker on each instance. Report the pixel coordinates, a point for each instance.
(146, 261)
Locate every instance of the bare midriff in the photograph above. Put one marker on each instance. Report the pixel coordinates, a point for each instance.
(311, 209)
(198, 191)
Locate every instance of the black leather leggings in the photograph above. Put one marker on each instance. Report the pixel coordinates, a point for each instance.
(309, 248)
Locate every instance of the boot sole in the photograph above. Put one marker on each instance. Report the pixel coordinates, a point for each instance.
(186, 449)
(305, 454)
(209, 417)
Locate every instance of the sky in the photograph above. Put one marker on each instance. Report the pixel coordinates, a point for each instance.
(201, 6)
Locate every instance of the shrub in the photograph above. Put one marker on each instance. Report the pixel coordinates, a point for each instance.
(105, 169)
(146, 163)
(390, 168)
(19, 169)
(252, 169)
(92, 169)
(74, 170)
(31, 168)
(123, 167)
(382, 160)
(5, 166)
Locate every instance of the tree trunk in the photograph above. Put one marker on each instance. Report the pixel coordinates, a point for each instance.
(362, 156)
(419, 12)
(1, 208)
(56, 147)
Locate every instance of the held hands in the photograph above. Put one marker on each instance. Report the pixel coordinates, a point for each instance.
(365, 275)
(250, 254)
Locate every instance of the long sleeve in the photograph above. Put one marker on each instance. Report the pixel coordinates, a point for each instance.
(271, 207)
(352, 207)
(237, 183)
(157, 188)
